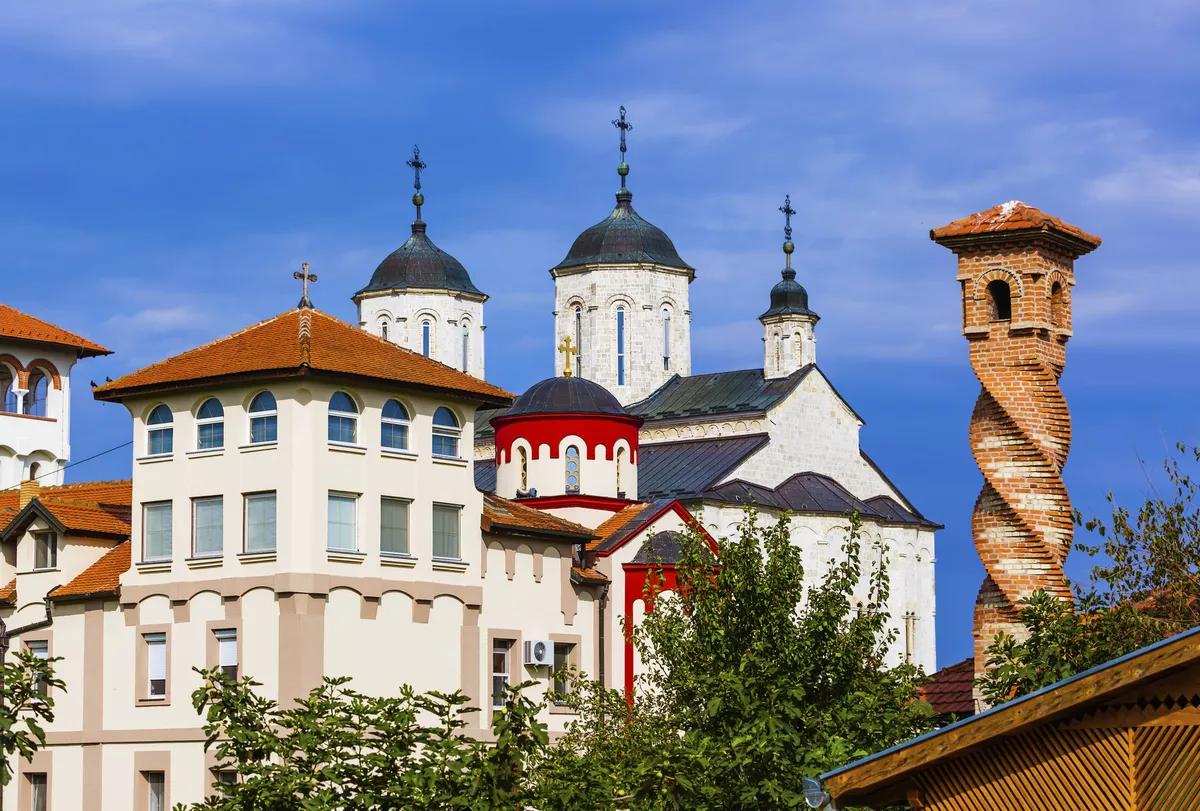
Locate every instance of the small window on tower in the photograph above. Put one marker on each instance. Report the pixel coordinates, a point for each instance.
(524, 457)
(666, 339)
(426, 338)
(383, 330)
(1057, 305)
(572, 469)
(578, 341)
(620, 346)
(1001, 298)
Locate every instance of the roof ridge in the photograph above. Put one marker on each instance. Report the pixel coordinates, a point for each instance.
(82, 343)
(88, 484)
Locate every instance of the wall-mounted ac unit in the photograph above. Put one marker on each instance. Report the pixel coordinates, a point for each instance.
(539, 653)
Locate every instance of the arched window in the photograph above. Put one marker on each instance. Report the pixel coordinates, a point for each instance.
(160, 432)
(1001, 298)
(343, 418)
(466, 346)
(524, 457)
(8, 397)
(263, 418)
(383, 330)
(620, 459)
(445, 433)
(620, 345)
(666, 339)
(578, 309)
(395, 426)
(572, 469)
(210, 425)
(1057, 305)
(35, 399)
(34, 469)
(426, 337)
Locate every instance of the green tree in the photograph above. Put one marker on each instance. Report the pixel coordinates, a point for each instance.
(754, 679)
(1144, 588)
(27, 685)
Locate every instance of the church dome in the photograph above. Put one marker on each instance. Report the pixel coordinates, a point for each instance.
(566, 395)
(788, 297)
(418, 263)
(623, 238)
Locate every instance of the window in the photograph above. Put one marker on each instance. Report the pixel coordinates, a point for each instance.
(35, 400)
(501, 653)
(34, 468)
(156, 531)
(40, 649)
(343, 418)
(156, 665)
(208, 519)
(666, 339)
(263, 418)
(910, 636)
(342, 532)
(37, 792)
(466, 346)
(227, 652)
(579, 340)
(620, 459)
(1001, 298)
(160, 434)
(562, 665)
(210, 425)
(523, 455)
(620, 346)
(156, 791)
(445, 531)
(45, 550)
(572, 469)
(395, 426)
(226, 780)
(393, 526)
(445, 433)
(426, 337)
(8, 397)
(1058, 304)
(260, 522)
(383, 330)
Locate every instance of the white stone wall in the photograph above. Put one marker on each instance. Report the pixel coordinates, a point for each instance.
(789, 344)
(644, 290)
(404, 311)
(27, 440)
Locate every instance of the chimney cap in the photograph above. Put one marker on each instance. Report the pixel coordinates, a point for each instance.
(1013, 221)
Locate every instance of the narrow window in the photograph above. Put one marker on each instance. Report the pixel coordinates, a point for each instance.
(523, 456)
(394, 432)
(383, 330)
(210, 425)
(466, 345)
(8, 397)
(227, 652)
(160, 434)
(156, 531)
(445, 433)
(263, 418)
(156, 791)
(342, 528)
(620, 459)
(1001, 298)
(1057, 305)
(562, 665)
(572, 469)
(208, 519)
(426, 337)
(343, 419)
(34, 469)
(393, 526)
(666, 339)
(579, 340)
(501, 653)
(37, 792)
(40, 649)
(227, 779)
(35, 400)
(620, 346)
(45, 550)
(156, 665)
(445, 532)
(260, 522)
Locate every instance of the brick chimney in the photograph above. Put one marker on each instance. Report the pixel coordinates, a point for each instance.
(1016, 266)
(29, 491)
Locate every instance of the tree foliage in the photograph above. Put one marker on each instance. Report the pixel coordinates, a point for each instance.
(1144, 588)
(27, 685)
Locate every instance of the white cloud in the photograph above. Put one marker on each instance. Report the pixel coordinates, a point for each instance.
(157, 320)
(1163, 181)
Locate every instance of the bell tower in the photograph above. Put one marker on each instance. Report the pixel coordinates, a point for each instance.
(789, 335)
(1016, 266)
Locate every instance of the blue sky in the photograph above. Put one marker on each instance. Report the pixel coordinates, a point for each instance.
(166, 166)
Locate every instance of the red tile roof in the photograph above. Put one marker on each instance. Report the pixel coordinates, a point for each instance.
(949, 689)
(101, 578)
(1012, 216)
(587, 575)
(294, 343)
(500, 514)
(618, 520)
(86, 508)
(24, 327)
(8, 594)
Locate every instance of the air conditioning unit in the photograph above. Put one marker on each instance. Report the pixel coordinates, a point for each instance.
(539, 653)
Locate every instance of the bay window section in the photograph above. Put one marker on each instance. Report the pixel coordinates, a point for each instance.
(393, 526)
(156, 531)
(260, 522)
(342, 534)
(445, 532)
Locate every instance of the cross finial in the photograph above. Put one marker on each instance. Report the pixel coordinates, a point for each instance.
(567, 347)
(305, 277)
(624, 126)
(788, 211)
(416, 164)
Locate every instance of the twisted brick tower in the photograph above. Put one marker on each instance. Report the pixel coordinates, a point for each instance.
(1016, 267)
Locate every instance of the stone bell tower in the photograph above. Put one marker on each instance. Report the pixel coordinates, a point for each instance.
(1016, 268)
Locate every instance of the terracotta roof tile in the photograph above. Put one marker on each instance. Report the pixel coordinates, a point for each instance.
(503, 514)
(587, 575)
(84, 519)
(24, 327)
(292, 342)
(1011, 216)
(101, 508)
(949, 689)
(8, 594)
(102, 577)
(618, 520)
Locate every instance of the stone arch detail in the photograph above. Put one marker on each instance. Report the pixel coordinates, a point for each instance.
(42, 363)
(1015, 286)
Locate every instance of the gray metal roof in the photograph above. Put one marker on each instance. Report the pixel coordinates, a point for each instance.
(418, 263)
(816, 493)
(661, 547)
(623, 238)
(565, 395)
(737, 392)
(675, 469)
(485, 475)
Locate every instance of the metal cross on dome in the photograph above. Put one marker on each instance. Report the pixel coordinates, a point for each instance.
(788, 211)
(417, 165)
(624, 126)
(305, 278)
(567, 347)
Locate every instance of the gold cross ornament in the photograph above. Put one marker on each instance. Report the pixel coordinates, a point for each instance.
(567, 347)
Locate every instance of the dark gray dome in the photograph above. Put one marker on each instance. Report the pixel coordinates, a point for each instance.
(788, 297)
(566, 395)
(623, 238)
(418, 263)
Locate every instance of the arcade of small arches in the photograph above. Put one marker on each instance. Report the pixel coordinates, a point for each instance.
(25, 388)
